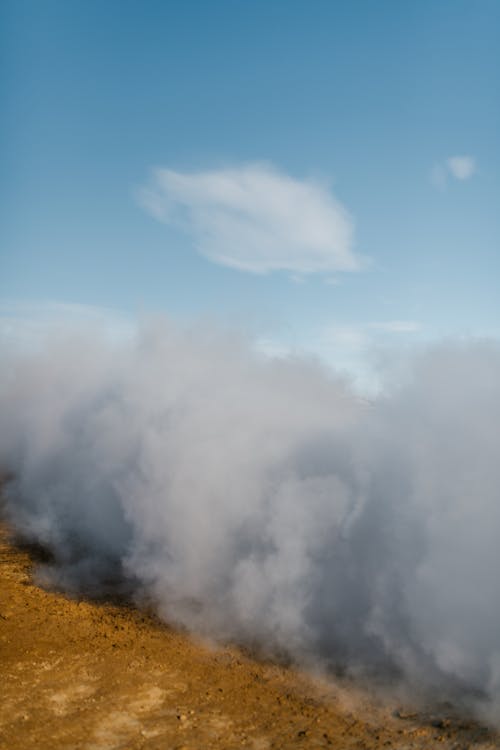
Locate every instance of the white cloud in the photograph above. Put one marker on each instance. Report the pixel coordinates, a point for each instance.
(256, 218)
(461, 167)
(457, 167)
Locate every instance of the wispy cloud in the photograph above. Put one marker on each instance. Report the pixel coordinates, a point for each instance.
(396, 326)
(455, 167)
(355, 349)
(358, 335)
(360, 349)
(461, 167)
(256, 218)
(351, 336)
(27, 323)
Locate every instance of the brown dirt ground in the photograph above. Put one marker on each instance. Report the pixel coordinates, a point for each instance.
(84, 675)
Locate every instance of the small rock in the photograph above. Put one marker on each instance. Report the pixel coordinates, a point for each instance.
(402, 714)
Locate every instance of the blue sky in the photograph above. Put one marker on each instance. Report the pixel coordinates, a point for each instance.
(322, 175)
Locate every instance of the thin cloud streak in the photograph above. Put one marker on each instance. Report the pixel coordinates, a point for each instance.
(27, 324)
(397, 326)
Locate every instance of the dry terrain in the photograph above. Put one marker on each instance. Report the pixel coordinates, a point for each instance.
(102, 676)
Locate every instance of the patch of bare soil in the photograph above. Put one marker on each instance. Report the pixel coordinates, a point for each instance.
(101, 676)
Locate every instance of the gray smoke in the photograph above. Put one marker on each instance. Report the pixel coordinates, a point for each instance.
(262, 501)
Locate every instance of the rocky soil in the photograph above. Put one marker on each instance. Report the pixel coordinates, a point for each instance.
(90, 675)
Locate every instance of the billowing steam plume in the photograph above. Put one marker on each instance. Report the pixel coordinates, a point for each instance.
(261, 501)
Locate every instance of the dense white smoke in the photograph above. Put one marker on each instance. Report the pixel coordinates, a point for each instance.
(261, 501)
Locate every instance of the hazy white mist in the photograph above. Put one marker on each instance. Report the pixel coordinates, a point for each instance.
(262, 501)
